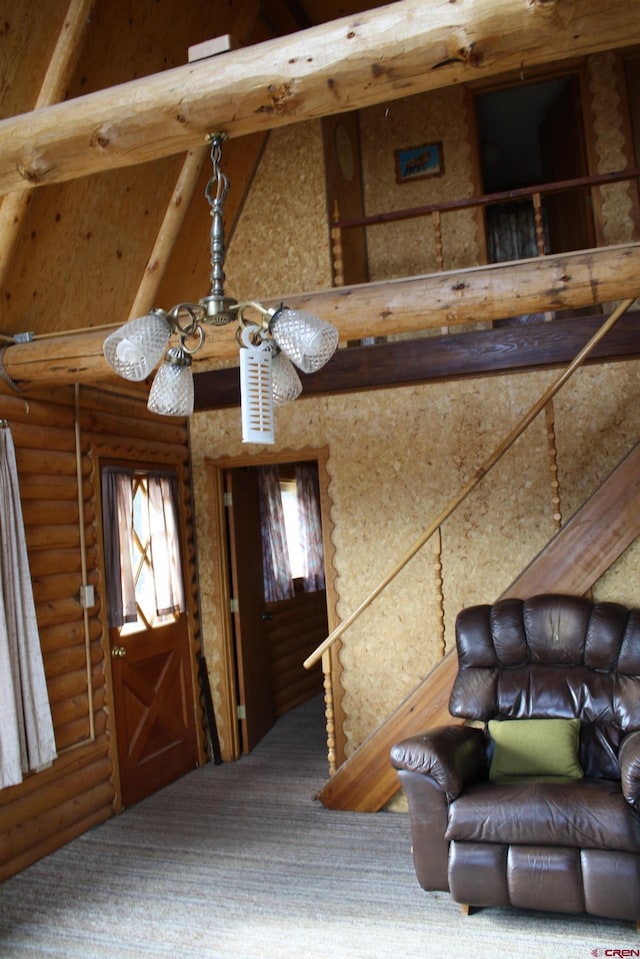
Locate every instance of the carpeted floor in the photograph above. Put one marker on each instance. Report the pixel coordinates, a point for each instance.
(240, 861)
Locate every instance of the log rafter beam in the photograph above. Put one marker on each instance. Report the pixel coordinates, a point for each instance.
(556, 282)
(384, 54)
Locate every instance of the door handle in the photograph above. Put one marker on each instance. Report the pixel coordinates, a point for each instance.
(267, 616)
(118, 652)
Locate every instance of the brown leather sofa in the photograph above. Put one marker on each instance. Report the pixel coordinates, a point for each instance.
(555, 832)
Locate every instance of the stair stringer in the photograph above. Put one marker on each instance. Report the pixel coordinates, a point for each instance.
(572, 562)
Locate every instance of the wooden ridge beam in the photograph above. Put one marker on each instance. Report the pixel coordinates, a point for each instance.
(384, 54)
(59, 71)
(453, 356)
(495, 292)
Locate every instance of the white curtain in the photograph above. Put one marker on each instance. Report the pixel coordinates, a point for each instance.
(276, 568)
(165, 544)
(164, 533)
(117, 525)
(27, 740)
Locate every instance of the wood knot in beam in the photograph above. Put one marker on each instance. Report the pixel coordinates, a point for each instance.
(33, 169)
(278, 98)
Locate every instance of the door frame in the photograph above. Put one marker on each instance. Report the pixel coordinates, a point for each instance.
(228, 704)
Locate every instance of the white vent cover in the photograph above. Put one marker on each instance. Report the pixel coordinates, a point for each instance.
(256, 394)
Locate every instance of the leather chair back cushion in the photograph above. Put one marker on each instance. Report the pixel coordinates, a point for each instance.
(553, 656)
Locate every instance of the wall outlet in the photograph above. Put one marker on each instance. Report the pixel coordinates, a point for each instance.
(87, 598)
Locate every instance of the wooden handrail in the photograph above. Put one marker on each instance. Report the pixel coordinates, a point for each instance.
(482, 470)
(487, 199)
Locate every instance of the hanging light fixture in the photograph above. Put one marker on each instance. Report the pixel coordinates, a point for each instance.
(270, 346)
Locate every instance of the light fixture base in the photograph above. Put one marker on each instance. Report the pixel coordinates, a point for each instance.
(219, 310)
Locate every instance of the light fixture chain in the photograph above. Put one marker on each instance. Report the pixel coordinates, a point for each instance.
(216, 201)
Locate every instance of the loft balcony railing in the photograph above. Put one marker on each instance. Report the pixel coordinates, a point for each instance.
(436, 211)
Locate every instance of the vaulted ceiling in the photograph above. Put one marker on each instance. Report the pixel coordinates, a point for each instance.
(73, 255)
(78, 251)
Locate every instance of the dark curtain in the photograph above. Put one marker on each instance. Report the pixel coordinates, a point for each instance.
(276, 568)
(310, 524)
(511, 231)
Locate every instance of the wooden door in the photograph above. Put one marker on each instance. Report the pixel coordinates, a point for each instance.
(154, 708)
(564, 157)
(256, 715)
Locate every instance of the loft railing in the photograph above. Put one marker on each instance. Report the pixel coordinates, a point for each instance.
(435, 211)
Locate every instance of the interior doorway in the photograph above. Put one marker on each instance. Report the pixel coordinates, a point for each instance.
(530, 135)
(268, 636)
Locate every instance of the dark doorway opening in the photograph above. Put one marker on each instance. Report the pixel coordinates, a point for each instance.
(272, 635)
(531, 135)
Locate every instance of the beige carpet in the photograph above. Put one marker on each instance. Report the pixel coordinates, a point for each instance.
(239, 860)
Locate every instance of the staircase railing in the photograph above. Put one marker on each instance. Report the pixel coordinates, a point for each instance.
(322, 650)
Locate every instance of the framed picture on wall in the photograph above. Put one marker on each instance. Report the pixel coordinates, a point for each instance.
(417, 163)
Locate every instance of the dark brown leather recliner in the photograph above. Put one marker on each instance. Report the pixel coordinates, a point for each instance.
(535, 842)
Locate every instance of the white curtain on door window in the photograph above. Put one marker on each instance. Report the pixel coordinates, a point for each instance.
(117, 524)
(165, 544)
(27, 740)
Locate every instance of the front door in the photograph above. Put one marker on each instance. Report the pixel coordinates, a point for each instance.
(151, 672)
(153, 701)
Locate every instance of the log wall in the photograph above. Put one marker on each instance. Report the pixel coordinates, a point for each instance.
(297, 627)
(80, 789)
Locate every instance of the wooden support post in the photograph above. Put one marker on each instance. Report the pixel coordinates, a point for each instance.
(168, 232)
(537, 213)
(329, 712)
(337, 254)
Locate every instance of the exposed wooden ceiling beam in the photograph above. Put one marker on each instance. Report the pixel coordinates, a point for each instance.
(384, 54)
(499, 291)
(511, 349)
(53, 87)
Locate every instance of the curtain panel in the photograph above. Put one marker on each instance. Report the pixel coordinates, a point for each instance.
(276, 568)
(310, 522)
(117, 526)
(164, 543)
(162, 503)
(27, 740)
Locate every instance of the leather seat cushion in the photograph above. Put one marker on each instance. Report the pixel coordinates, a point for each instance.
(586, 813)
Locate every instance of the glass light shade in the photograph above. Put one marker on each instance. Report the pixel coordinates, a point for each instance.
(172, 390)
(308, 341)
(285, 382)
(133, 350)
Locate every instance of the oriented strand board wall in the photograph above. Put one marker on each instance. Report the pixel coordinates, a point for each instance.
(398, 456)
(80, 788)
(408, 248)
(407, 452)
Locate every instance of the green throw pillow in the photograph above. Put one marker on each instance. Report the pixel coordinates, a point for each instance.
(535, 748)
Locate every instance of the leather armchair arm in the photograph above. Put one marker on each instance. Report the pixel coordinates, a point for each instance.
(629, 758)
(453, 756)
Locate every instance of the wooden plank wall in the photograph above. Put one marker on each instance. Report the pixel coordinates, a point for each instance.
(80, 789)
(297, 626)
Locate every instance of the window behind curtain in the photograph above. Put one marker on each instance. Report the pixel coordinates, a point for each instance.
(142, 549)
